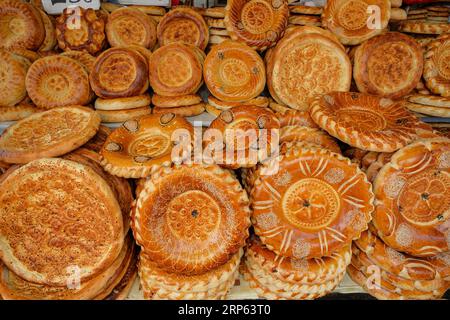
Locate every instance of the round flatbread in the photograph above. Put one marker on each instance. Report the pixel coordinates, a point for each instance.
(20, 26)
(183, 25)
(18, 112)
(212, 110)
(248, 133)
(437, 66)
(57, 81)
(111, 116)
(234, 72)
(296, 118)
(195, 227)
(413, 204)
(305, 64)
(364, 121)
(258, 23)
(316, 203)
(123, 103)
(13, 70)
(171, 102)
(48, 134)
(130, 26)
(305, 20)
(140, 146)
(81, 29)
(176, 69)
(119, 72)
(389, 65)
(299, 9)
(79, 220)
(352, 20)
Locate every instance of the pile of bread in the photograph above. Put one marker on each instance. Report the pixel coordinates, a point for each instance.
(341, 174)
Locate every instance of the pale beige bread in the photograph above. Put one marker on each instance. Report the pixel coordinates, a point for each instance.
(48, 134)
(17, 112)
(65, 189)
(258, 33)
(13, 71)
(442, 112)
(158, 282)
(349, 19)
(184, 111)
(299, 9)
(214, 12)
(57, 81)
(84, 58)
(413, 199)
(365, 121)
(437, 66)
(196, 228)
(216, 39)
(423, 27)
(398, 14)
(110, 116)
(130, 26)
(396, 3)
(388, 65)
(212, 110)
(305, 20)
(296, 72)
(184, 25)
(217, 32)
(21, 25)
(123, 103)
(330, 182)
(141, 146)
(262, 102)
(13, 287)
(178, 101)
(49, 42)
(430, 100)
(215, 23)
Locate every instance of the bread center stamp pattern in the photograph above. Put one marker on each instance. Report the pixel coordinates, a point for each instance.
(311, 204)
(325, 204)
(193, 216)
(257, 23)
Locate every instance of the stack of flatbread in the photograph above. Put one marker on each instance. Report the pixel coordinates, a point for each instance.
(304, 15)
(64, 222)
(427, 20)
(214, 18)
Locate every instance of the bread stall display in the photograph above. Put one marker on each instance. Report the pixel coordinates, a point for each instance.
(262, 149)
